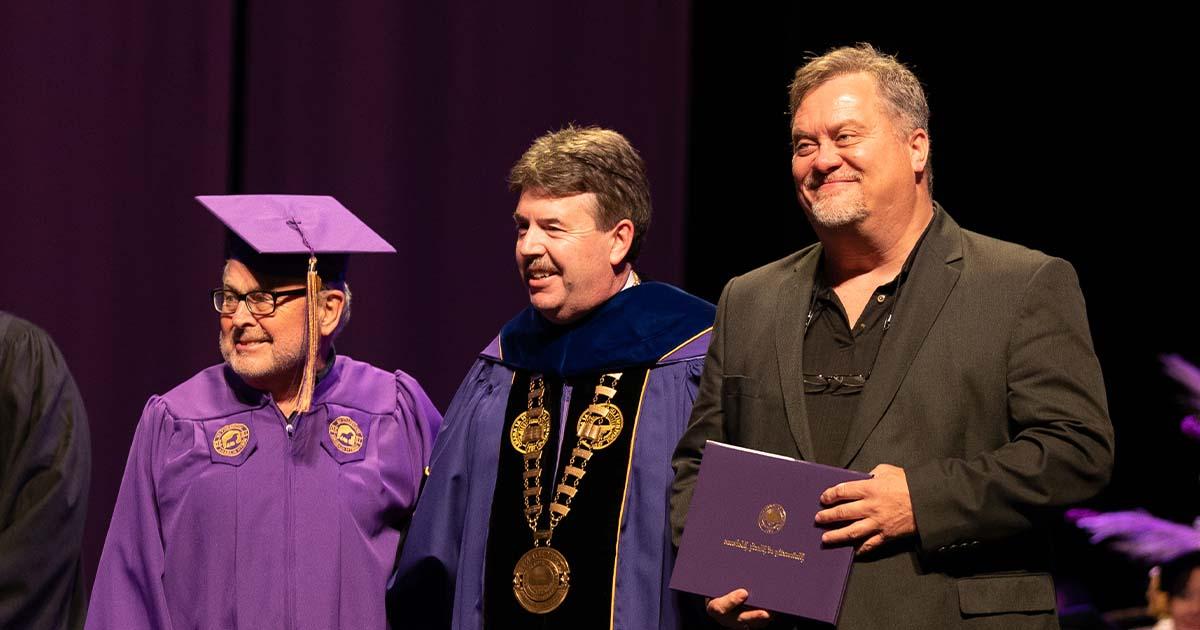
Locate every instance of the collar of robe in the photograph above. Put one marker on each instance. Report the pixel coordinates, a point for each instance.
(635, 327)
(326, 378)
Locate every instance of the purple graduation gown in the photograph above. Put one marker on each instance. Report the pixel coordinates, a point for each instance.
(263, 530)
(440, 581)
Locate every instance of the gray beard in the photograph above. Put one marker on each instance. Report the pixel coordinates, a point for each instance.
(836, 213)
(281, 363)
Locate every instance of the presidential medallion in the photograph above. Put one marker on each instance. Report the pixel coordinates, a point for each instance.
(530, 431)
(600, 424)
(541, 580)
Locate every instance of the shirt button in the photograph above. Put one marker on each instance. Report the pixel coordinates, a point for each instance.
(880, 298)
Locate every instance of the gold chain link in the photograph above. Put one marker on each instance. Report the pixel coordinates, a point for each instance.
(575, 468)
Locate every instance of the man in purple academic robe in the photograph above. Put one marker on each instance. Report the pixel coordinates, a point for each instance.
(547, 500)
(271, 491)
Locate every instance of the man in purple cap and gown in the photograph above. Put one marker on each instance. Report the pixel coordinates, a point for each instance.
(546, 504)
(271, 491)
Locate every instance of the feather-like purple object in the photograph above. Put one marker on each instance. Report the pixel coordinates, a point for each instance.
(1185, 373)
(1190, 427)
(1138, 534)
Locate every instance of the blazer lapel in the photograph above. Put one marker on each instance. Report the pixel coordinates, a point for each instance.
(795, 295)
(930, 281)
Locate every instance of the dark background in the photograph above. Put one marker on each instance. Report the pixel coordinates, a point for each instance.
(1072, 137)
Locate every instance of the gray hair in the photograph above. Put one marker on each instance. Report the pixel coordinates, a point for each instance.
(903, 96)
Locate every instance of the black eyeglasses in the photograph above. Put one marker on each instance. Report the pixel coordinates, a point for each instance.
(836, 384)
(257, 302)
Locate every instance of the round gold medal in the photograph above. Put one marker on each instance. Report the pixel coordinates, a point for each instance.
(231, 439)
(345, 434)
(529, 431)
(601, 424)
(541, 580)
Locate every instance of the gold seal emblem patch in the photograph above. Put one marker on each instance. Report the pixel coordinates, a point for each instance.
(772, 518)
(231, 439)
(345, 434)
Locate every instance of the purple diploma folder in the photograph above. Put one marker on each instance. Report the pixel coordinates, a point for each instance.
(751, 526)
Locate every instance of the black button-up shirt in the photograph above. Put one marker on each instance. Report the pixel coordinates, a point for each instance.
(833, 349)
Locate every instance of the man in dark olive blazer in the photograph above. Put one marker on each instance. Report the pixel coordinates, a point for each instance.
(976, 400)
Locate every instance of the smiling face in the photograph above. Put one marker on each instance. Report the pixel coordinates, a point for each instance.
(569, 265)
(850, 159)
(266, 351)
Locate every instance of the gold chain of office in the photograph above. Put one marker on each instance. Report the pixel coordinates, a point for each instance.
(542, 576)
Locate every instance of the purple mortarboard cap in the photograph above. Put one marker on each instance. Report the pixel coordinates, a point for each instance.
(295, 235)
(265, 229)
(295, 224)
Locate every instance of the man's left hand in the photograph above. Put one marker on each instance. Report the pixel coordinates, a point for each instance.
(880, 508)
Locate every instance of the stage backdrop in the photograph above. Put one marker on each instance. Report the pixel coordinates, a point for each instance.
(1069, 138)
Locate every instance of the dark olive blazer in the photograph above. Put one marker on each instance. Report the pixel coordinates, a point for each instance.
(986, 391)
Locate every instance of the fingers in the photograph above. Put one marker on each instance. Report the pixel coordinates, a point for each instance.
(845, 512)
(725, 604)
(754, 618)
(846, 491)
(874, 510)
(870, 544)
(855, 531)
(729, 612)
(855, 490)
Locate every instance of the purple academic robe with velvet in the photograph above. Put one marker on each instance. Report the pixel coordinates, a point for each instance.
(278, 532)
(440, 581)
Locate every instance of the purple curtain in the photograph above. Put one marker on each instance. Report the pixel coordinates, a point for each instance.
(113, 117)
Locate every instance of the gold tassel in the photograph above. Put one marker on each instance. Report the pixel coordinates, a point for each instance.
(308, 382)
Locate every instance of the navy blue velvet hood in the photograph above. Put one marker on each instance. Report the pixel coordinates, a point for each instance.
(636, 327)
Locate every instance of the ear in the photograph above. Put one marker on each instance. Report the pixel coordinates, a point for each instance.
(918, 149)
(622, 235)
(329, 310)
